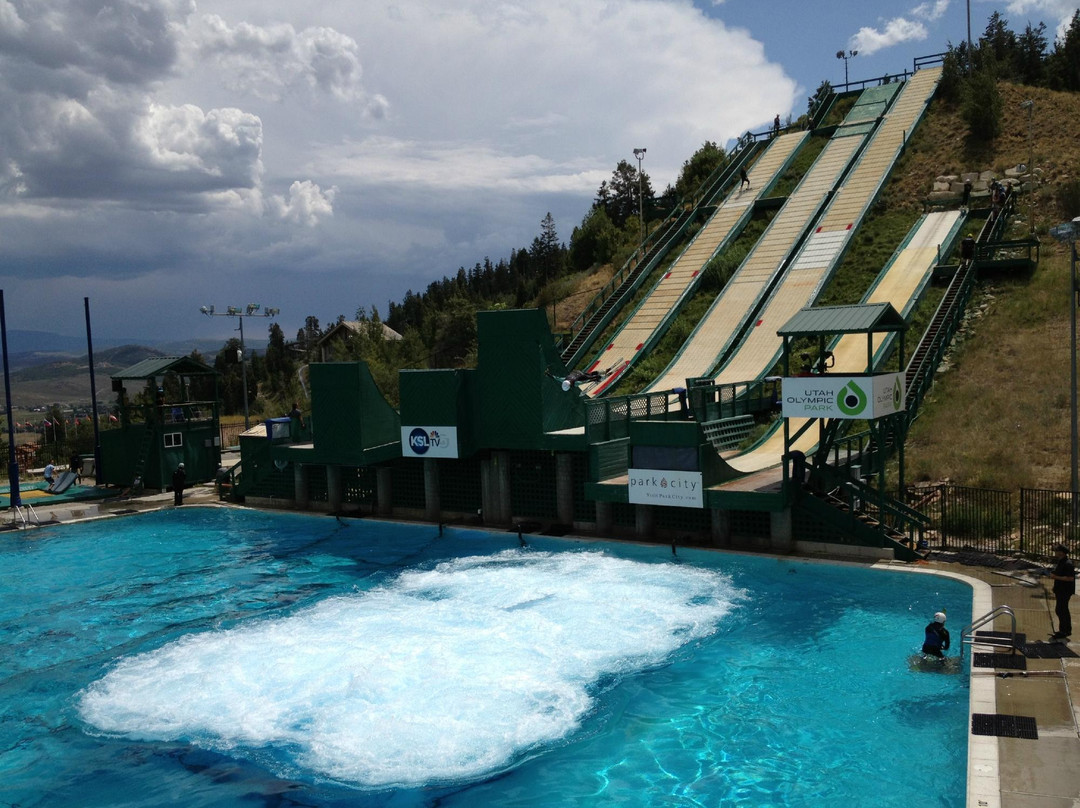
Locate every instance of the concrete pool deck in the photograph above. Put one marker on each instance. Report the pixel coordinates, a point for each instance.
(1042, 773)
(1002, 772)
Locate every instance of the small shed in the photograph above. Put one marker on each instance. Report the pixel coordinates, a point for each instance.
(343, 330)
(169, 413)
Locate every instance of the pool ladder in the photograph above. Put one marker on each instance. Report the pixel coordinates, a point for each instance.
(23, 515)
(998, 639)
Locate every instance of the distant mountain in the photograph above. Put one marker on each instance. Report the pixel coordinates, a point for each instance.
(50, 368)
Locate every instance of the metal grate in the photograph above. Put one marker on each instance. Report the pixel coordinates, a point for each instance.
(459, 485)
(407, 484)
(1013, 662)
(1004, 726)
(532, 484)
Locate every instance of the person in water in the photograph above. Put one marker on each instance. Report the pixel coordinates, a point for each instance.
(937, 637)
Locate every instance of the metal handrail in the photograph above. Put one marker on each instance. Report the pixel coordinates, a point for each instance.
(967, 636)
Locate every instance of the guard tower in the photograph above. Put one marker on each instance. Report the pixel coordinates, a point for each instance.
(818, 393)
(168, 412)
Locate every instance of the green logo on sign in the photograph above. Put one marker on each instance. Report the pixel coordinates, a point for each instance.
(852, 400)
(897, 399)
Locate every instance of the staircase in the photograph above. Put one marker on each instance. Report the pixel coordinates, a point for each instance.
(614, 301)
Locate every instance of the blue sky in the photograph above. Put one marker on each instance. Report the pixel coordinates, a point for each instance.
(161, 155)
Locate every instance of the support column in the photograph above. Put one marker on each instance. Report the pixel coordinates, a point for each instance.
(781, 535)
(335, 491)
(721, 528)
(301, 489)
(384, 491)
(644, 520)
(495, 488)
(432, 494)
(564, 487)
(604, 518)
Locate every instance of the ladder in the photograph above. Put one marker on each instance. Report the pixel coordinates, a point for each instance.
(23, 515)
(997, 639)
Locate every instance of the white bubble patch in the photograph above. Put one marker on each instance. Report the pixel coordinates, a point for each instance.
(440, 675)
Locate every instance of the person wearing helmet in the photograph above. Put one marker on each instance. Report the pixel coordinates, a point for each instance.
(967, 249)
(179, 477)
(937, 637)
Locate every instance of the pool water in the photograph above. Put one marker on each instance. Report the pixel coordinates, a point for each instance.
(210, 657)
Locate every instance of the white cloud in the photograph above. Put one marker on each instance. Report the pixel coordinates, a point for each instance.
(1060, 10)
(269, 61)
(306, 203)
(931, 11)
(870, 40)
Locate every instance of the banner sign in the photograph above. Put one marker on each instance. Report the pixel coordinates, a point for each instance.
(429, 441)
(681, 489)
(825, 396)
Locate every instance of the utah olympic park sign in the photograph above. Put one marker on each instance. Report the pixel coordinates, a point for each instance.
(824, 396)
(429, 441)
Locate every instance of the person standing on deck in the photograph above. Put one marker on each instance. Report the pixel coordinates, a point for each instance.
(1064, 576)
(179, 477)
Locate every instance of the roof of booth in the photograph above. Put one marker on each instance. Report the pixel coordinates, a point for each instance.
(860, 319)
(160, 365)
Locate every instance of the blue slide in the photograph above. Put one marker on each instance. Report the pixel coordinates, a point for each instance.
(63, 483)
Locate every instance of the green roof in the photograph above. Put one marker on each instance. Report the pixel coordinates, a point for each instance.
(160, 365)
(860, 319)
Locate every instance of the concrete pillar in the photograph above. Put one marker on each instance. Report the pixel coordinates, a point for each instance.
(495, 488)
(432, 492)
(721, 528)
(604, 518)
(564, 487)
(301, 490)
(384, 491)
(644, 520)
(335, 491)
(781, 535)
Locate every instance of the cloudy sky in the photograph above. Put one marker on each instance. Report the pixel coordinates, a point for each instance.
(161, 155)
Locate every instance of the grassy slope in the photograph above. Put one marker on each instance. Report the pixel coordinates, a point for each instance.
(999, 414)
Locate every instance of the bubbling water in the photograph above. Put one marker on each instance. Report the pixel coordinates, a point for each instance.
(440, 675)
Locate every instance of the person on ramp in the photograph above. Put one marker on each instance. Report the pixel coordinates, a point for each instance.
(179, 478)
(936, 641)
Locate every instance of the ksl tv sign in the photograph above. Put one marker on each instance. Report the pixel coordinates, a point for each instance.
(865, 397)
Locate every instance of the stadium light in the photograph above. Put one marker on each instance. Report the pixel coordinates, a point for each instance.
(640, 154)
(251, 310)
(851, 54)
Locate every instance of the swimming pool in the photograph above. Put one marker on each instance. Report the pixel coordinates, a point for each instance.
(209, 657)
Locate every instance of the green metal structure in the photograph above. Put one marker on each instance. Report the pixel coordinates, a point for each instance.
(177, 427)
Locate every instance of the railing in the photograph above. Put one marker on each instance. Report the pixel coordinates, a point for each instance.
(967, 518)
(710, 401)
(997, 639)
(609, 418)
(1048, 518)
(863, 499)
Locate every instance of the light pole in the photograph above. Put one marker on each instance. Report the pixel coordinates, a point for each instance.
(1029, 105)
(640, 154)
(1068, 233)
(251, 310)
(851, 54)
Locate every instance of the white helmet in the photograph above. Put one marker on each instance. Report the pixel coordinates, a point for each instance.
(939, 617)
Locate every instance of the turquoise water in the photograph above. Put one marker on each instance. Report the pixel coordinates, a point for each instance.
(203, 657)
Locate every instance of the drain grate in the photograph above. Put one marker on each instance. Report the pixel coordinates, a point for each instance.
(1004, 726)
(1002, 635)
(1014, 662)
